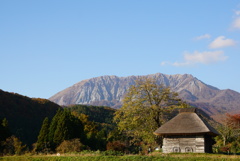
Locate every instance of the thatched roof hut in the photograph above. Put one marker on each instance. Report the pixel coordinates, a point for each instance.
(187, 132)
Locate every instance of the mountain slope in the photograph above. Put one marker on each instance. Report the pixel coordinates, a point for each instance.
(109, 91)
(25, 115)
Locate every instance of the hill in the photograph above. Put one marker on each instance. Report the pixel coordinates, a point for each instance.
(109, 91)
(25, 115)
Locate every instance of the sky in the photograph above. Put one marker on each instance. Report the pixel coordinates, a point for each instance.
(47, 46)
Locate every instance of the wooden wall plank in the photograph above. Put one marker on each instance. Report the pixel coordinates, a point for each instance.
(185, 143)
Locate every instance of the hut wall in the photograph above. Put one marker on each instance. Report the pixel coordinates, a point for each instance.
(183, 144)
(200, 144)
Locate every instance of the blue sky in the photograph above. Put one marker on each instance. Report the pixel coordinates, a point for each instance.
(47, 46)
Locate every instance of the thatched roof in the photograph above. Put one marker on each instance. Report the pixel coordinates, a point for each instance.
(187, 122)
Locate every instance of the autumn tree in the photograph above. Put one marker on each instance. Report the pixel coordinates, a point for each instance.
(229, 137)
(233, 121)
(12, 146)
(90, 130)
(146, 106)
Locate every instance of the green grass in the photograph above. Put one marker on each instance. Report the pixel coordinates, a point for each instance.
(153, 157)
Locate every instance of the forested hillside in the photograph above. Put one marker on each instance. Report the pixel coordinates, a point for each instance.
(98, 124)
(100, 114)
(25, 115)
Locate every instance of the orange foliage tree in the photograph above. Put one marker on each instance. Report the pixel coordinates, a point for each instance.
(233, 121)
(230, 134)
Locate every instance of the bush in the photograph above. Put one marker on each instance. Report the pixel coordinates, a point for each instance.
(116, 146)
(67, 146)
(224, 149)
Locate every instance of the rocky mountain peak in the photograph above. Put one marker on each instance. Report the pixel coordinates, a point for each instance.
(109, 91)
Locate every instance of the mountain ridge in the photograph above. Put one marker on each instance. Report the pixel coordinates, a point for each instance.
(109, 91)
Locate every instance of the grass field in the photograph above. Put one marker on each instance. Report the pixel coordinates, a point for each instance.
(152, 157)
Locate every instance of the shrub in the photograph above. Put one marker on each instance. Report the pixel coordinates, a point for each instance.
(67, 146)
(224, 149)
(116, 146)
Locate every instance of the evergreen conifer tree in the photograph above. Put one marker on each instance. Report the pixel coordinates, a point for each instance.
(68, 127)
(43, 142)
(53, 127)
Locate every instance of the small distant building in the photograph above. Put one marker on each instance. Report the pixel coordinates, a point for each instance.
(187, 132)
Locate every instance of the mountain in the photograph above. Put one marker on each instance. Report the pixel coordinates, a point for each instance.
(25, 115)
(109, 91)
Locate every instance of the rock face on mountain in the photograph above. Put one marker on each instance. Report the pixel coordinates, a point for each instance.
(109, 91)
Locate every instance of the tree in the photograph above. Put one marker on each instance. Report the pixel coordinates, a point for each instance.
(146, 106)
(4, 132)
(233, 121)
(101, 139)
(64, 126)
(229, 137)
(12, 146)
(53, 127)
(68, 127)
(91, 130)
(226, 135)
(43, 142)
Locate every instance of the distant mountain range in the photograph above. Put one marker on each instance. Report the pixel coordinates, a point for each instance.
(109, 91)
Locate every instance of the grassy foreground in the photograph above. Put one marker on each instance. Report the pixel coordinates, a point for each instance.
(153, 157)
